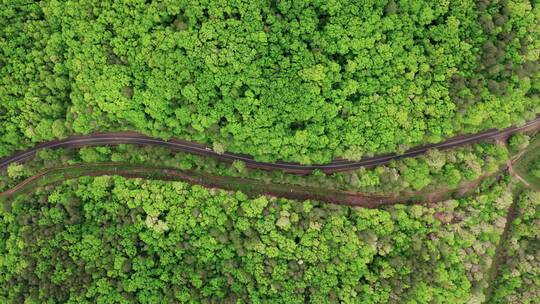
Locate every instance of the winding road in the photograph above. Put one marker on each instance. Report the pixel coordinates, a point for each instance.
(115, 138)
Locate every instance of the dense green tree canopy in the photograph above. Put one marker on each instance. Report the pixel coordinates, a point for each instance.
(295, 80)
(118, 240)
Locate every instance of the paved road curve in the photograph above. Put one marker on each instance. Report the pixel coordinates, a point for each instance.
(115, 138)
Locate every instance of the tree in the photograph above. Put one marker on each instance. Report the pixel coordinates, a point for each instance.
(519, 141)
(15, 170)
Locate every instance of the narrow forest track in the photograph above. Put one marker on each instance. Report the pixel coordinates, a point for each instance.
(511, 215)
(500, 252)
(517, 159)
(252, 187)
(115, 138)
(520, 178)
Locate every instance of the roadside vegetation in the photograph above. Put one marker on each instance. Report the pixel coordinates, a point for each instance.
(304, 81)
(433, 170)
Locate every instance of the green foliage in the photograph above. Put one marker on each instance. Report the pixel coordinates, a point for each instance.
(519, 274)
(303, 81)
(93, 154)
(15, 170)
(518, 142)
(118, 240)
(535, 170)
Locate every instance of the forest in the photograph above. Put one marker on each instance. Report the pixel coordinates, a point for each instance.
(304, 81)
(119, 240)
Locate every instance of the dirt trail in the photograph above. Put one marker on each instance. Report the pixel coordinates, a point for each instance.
(249, 186)
(500, 253)
(520, 178)
(515, 159)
